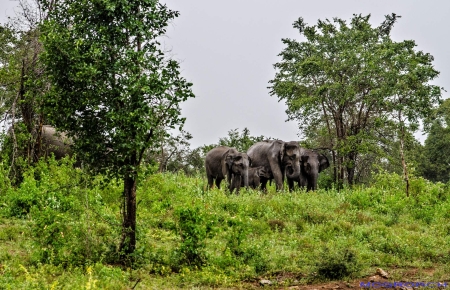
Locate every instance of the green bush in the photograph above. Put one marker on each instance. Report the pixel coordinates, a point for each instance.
(193, 228)
(337, 264)
(64, 214)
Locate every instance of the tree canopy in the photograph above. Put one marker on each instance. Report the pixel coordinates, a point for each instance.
(355, 85)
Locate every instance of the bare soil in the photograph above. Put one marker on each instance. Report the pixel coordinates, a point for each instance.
(294, 281)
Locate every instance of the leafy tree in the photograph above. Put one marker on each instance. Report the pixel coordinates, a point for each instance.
(23, 84)
(241, 141)
(354, 81)
(435, 164)
(113, 89)
(174, 154)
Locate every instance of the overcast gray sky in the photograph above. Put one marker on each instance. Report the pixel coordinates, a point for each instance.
(227, 49)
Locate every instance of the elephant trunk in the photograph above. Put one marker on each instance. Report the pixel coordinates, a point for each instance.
(312, 182)
(245, 176)
(293, 171)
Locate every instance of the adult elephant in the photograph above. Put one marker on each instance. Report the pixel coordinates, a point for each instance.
(45, 141)
(311, 164)
(279, 158)
(223, 161)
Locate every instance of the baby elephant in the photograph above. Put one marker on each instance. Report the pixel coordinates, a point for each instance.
(254, 175)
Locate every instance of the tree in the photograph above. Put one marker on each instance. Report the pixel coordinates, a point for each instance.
(241, 141)
(174, 154)
(113, 90)
(23, 82)
(435, 164)
(355, 82)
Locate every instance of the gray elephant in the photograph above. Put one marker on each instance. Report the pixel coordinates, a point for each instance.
(45, 141)
(254, 176)
(56, 143)
(279, 158)
(223, 161)
(311, 164)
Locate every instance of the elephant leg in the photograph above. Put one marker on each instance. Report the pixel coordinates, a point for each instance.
(218, 180)
(238, 183)
(263, 184)
(302, 181)
(311, 183)
(290, 184)
(277, 173)
(310, 186)
(235, 183)
(210, 182)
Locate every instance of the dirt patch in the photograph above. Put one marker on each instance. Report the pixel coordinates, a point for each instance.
(285, 280)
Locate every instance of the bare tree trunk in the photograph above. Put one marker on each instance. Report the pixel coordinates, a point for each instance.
(351, 168)
(128, 243)
(332, 145)
(335, 170)
(340, 137)
(402, 155)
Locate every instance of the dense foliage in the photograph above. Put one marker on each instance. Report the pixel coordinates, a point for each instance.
(435, 161)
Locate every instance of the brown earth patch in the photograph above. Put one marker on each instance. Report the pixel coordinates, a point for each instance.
(286, 280)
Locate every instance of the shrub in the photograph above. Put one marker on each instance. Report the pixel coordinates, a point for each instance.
(337, 265)
(193, 229)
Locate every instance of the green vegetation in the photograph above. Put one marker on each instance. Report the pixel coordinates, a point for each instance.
(60, 229)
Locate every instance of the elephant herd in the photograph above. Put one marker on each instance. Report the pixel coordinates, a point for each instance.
(265, 161)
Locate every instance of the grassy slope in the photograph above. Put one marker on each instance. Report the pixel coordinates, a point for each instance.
(65, 237)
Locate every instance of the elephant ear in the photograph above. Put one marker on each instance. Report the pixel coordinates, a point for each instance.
(304, 158)
(282, 151)
(225, 162)
(323, 162)
(261, 171)
(249, 161)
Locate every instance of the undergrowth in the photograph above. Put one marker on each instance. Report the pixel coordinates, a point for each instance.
(60, 229)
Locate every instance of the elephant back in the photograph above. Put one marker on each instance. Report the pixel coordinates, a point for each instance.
(55, 142)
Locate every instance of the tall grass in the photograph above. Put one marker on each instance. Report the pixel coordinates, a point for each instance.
(60, 230)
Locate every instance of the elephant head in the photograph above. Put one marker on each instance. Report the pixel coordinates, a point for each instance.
(312, 163)
(235, 165)
(290, 159)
